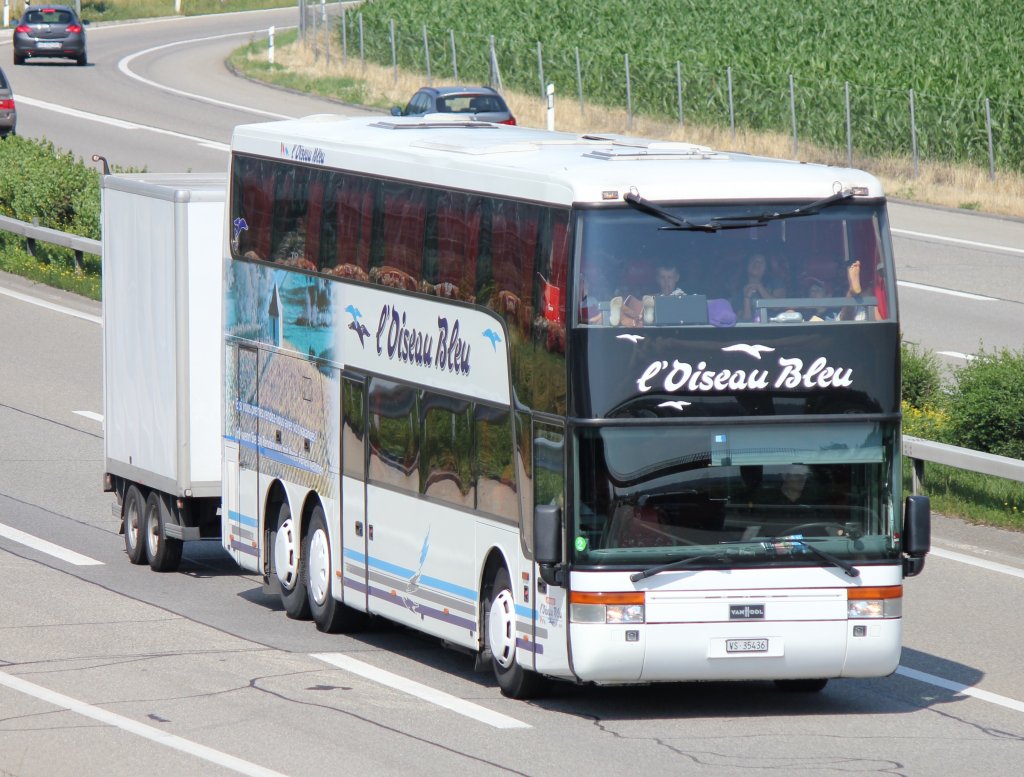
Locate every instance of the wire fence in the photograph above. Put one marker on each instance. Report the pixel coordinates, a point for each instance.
(851, 119)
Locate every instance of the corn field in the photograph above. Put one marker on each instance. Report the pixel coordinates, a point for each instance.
(923, 78)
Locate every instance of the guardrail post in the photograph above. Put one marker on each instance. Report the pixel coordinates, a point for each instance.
(918, 482)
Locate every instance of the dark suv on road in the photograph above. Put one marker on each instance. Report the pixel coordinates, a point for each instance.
(476, 102)
(49, 31)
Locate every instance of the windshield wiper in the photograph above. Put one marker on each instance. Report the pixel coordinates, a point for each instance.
(812, 209)
(733, 222)
(678, 564)
(846, 566)
(642, 205)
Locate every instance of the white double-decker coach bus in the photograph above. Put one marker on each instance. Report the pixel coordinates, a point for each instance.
(594, 408)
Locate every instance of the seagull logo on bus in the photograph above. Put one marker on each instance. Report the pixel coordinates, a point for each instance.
(749, 350)
(358, 326)
(494, 337)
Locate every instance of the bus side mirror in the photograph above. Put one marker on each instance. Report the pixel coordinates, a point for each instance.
(547, 543)
(917, 534)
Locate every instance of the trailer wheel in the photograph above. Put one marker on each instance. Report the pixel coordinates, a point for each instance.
(289, 564)
(134, 530)
(328, 613)
(164, 552)
(500, 630)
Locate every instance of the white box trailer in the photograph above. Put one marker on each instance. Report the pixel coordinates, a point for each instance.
(163, 242)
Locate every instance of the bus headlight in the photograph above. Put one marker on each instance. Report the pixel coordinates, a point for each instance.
(875, 602)
(587, 607)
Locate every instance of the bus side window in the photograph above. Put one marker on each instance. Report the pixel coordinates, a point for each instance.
(394, 435)
(457, 220)
(403, 237)
(496, 481)
(446, 463)
(514, 230)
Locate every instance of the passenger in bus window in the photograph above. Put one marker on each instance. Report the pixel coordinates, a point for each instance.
(755, 287)
(667, 277)
(292, 247)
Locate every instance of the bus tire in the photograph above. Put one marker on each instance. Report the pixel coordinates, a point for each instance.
(802, 686)
(514, 681)
(329, 615)
(164, 552)
(289, 564)
(134, 526)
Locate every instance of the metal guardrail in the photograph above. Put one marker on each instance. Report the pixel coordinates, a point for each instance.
(919, 451)
(33, 232)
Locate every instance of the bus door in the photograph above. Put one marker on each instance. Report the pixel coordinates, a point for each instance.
(354, 530)
(550, 612)
(240, 522)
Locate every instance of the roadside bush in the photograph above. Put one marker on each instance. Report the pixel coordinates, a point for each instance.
(922, 376)
(40, 181)
(986, 404)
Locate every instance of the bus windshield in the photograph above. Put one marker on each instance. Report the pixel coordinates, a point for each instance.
(649, 495)
(645, 268)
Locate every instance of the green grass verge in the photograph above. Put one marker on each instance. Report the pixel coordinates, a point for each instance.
(251, 61)
(55, 268)
(974, 497)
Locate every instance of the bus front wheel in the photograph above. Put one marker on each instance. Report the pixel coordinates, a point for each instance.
(500, 633)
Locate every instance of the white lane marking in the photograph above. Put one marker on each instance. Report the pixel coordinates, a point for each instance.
(413, 688)
(47, 547)
(89, 414)
(123, 67)
(50, 305)
(938, 290)
(974, 561)
(119, 123)
(957, 240)
(966, 690)
(139, 729)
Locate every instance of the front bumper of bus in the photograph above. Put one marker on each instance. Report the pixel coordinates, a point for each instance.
(737, 634)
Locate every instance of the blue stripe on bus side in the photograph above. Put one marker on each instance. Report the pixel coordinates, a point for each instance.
(278, 456)
(243, 520)
(405, 574)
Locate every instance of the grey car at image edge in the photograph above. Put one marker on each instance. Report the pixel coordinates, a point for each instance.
(8, 113)
(49, 31)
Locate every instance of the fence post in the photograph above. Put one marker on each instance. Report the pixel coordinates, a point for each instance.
(792, 111)
(849, 129)
(540, 68)
(394, 50)
(913, 133)
(629, 95)
(551, 107)
(732, 111)
(579, 78)
(991, 151)
(270, 46)
(344, 36)
(426, 55)
(362, 50)
(455, 59)
(495, 70)
(679, 90)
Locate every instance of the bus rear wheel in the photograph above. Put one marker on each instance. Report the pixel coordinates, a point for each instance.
(289, 564)
(134, 530)
(329, 615)
(500, 634)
